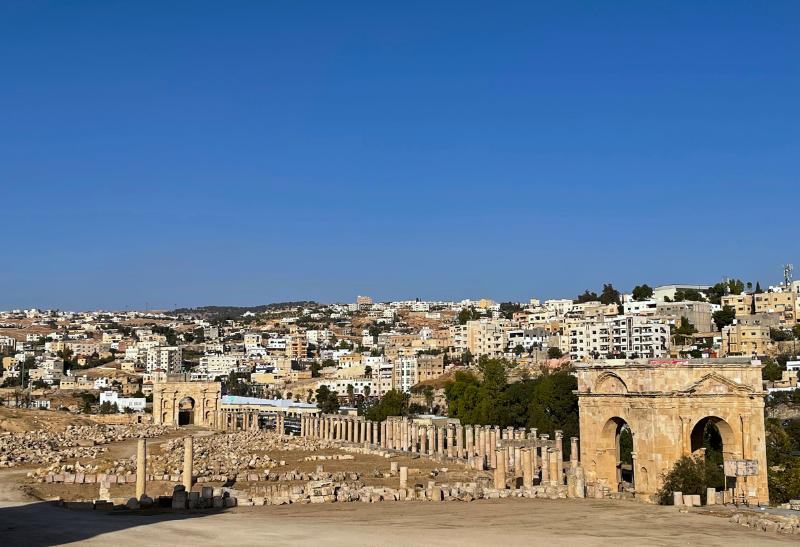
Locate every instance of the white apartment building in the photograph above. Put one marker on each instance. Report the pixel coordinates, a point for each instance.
(217, 365)
(405, 373)
(559, 307)
(136, 404)
(339, 385)
(167, 358)
(527, 338)
(631, 335)
(643, 307)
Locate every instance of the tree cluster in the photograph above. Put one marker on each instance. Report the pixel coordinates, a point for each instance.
(546, 402)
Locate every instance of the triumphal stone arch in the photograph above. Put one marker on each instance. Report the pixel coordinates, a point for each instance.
(667, 406)
(186, 403)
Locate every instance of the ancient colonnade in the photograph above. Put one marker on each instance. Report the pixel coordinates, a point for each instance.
(525, 454)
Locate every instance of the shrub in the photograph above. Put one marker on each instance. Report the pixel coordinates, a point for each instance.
(690, 476)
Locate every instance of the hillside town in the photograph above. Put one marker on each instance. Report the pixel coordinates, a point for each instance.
(106, 361)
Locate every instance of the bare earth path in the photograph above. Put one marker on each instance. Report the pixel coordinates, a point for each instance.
(506, 522)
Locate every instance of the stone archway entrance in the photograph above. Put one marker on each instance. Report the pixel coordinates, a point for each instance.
(186, 411)
(712, 408)
(615, 457)
(187, 403)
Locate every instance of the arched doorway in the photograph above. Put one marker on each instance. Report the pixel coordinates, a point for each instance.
(186, 411)
(712, 440)
(616, 462)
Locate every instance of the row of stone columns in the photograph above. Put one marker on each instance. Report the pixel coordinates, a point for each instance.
(238, 420)
(477, 444)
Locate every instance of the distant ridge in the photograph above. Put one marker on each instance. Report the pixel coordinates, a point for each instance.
(232, 312)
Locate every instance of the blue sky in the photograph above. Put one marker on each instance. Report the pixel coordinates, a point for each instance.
(191, 153)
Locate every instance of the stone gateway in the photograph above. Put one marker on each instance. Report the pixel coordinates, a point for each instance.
(666, 407)
(186, 403)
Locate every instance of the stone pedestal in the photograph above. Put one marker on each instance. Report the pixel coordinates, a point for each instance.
(403, 477)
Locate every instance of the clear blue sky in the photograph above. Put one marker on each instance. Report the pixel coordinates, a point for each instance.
(190, 153)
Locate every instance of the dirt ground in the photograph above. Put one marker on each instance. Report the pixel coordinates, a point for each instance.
(492, 522)
(26, 520)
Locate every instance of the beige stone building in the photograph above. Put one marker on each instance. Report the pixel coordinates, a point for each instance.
(745, 340)
(784, 304)
(487, 336)
(667, 405)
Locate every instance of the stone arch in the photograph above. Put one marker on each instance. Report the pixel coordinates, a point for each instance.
(610, 383)
(186, 411)
(724, 429)
(610, 466)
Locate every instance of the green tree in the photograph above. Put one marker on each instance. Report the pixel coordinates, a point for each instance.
(327, 400)
(507, 309)
(351, 393)
(554, 353)
(724, 317)
(315, 368)
(784, 483)
(642, 292)
(428, 394)
(780, 335)
(690, 476)
(393, 403)
(771, 371)
(692, 295)
(519, 350)
(468, 314)
(587, 297)
(684, 331)
(609, 295)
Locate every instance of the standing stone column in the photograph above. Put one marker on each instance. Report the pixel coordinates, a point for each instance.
(349, 434)
(440, 440)
(141, 468)
(493, 433)
(469, 439)
(517, 461)
(384, 442)
(573, 452)
(527, 467)
(374, 440)
(559, 456)
(431, 440)
(554, 474)
(414, 437)
(460, 452)
(500, 470)
(545, 476)
(482, 444)
(188, 455)
(450, 444)
(509, 432)
(403, 477)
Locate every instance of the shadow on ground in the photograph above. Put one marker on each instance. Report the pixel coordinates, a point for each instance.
(45, 523)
